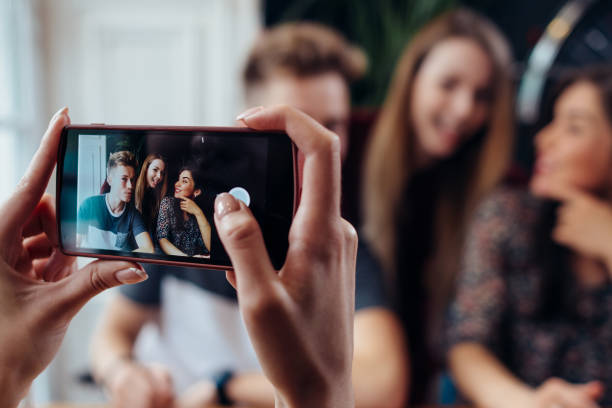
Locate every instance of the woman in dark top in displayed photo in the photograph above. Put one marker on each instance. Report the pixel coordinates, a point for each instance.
(151, 187)
(531, 321)
(182, 227)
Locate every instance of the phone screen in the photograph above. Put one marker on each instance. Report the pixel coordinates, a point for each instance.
(148, 193)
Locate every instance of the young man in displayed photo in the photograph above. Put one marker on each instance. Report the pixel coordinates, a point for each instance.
(110, 221)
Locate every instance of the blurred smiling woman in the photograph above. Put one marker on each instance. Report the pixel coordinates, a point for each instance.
(532, 317)
(151, 187)
(443, 139)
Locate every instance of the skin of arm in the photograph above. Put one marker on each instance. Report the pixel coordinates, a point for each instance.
(143, 240)
(470, 363)
(169, 248)
(381, 360)
(204, 229)
(117, 333)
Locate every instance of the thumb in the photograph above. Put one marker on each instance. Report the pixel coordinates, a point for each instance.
(593, 389)
(81, 286)
(243, 241)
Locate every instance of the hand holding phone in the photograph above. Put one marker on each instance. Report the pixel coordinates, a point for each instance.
(41, 288)
(299, 317)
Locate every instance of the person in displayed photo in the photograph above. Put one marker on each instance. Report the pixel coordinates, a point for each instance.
(110, 221)
(151, 187)
(182, 227)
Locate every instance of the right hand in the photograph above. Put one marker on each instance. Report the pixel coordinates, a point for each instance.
(134, 385)
(557, 393)
(299, 319)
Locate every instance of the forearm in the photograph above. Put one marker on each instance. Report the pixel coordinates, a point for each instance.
(114, 340)
(169, 248)
(381, 361)
(109, 349)
(143, 240)
(251, 389)
(375, 382)
(205, 229)
(472, 365)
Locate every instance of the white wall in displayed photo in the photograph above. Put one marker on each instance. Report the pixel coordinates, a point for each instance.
(91, 166)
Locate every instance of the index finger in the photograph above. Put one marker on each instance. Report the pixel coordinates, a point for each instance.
(321, 149)
(17, 209)
(561, 193)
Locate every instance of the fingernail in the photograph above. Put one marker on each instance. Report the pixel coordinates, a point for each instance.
(225, 203)
(60, 112)
(249, 112)
(131, 275)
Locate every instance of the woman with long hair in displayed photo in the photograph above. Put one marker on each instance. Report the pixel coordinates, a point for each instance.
(532, 316)
(443, 139)
(151, 187)
(182, 227)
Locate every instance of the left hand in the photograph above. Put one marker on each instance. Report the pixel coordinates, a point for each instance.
(584, 223)
(199, 395)
(40, 288)
(190, 206)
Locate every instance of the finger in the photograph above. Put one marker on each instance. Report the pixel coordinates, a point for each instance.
(243, 241)
(38, 266)
(231, 278)
(321, 149)
(38, 246)
(30, 189)
(593, 389)
(73, 292)
(162, 383)
(573, 397)
(58, 267)
(250, 111)
(563, 193)
(43, 219)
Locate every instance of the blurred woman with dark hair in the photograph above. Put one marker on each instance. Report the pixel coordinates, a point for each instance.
(531, 323)
(182, 227)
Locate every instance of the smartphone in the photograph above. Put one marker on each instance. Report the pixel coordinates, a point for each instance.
(146, 193)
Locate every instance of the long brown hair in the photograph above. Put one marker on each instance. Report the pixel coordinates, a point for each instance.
(390, 163)
(159, 191)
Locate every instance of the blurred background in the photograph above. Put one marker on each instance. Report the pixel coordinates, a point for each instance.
(180, 62)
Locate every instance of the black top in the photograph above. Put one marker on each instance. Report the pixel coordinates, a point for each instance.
(369, 285)
(410, 297)
(184, 234)
(500, 293)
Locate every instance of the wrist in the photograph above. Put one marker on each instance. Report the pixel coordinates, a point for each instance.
(111, 370)
(331, 395)
(11, 392)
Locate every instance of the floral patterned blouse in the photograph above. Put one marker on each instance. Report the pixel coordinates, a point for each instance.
(498, 296)
(185, 235)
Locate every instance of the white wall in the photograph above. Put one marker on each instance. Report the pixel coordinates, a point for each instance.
(134, 62)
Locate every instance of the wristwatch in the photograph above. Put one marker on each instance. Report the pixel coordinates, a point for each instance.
(221, 380)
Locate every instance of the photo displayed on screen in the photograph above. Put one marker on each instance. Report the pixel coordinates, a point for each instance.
(154, 194)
